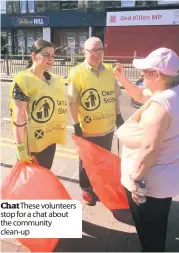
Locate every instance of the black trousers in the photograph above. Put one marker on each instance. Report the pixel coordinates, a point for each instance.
(45, 157)
(102, 141)
(151, 220)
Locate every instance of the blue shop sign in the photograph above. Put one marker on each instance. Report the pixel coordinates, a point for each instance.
(30, 21)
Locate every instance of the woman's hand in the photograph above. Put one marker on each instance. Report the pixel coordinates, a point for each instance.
(136, 196)
(119, 71)
(134, 188)
(22, 154)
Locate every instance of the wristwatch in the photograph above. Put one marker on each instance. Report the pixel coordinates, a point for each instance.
(134, 180)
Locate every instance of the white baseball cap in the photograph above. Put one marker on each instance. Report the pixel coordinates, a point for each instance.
(162, 59)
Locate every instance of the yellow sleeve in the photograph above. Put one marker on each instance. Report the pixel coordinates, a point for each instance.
(74, 85)
(21, 80)
(74, 77)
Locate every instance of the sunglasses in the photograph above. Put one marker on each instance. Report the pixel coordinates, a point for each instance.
(99, 50)
(149, 72)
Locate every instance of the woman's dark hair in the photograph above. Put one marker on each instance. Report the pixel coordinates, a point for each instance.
(36, 48)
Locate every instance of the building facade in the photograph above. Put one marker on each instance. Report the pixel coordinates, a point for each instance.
(67, 24)
(123, 26)
(138, 31)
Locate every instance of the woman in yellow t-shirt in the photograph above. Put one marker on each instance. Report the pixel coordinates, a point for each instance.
(38, 102)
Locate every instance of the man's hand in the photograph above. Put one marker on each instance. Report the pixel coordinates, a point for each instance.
(119, 120)
(119, 71)
(22, 153)
(78, 130)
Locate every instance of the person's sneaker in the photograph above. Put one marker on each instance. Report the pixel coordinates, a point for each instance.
(89, 198)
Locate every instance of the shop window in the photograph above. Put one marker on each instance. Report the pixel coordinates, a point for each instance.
(40, 6)
(9, 42)
(16, 7)
(23, 6)
(142, 3)
(31, 6)
(116, 4)
(19, 42)
(73, 5)
(64, 5)
(31, 36)
(53, 5)
(102, 5)
(12, 7)
(98, 5)
(3, 7)
(6, 42)
(9, 7)
(80, 40)
(24, 38)
(108, 4)
(153, 3)
(112, 4)
(38, 34)
(90, 4)
(85, 4)
(68, 5)
(3, 39)
(69, 41)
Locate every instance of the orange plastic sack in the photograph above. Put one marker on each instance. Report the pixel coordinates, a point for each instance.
(103, 170)
(31, 181)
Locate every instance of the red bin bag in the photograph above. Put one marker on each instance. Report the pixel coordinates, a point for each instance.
(103, 170)
(32, 181)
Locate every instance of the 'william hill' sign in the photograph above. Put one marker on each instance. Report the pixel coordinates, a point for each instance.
(30, 21)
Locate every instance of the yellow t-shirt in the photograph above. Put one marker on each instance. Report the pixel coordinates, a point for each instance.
(97, 98)
(46, 109)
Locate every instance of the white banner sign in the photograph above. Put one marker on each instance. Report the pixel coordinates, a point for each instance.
(125, 3)
(167, 2)
(47, 33)
(135, 18)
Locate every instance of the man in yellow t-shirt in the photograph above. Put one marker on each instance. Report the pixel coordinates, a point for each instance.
(93, 95)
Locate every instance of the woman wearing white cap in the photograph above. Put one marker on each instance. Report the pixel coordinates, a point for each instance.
(150, 140)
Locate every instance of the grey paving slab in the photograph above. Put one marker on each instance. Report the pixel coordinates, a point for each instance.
(86, 244)
(7, 153)
(12, 245)
(8, 247)
(122, 233)
(12, 241)
(6, 165)
(172, 242)
(101, 221)
(65, 169)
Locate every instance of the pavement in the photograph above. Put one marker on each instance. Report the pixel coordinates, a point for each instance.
(102, 232)
(6, 78)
